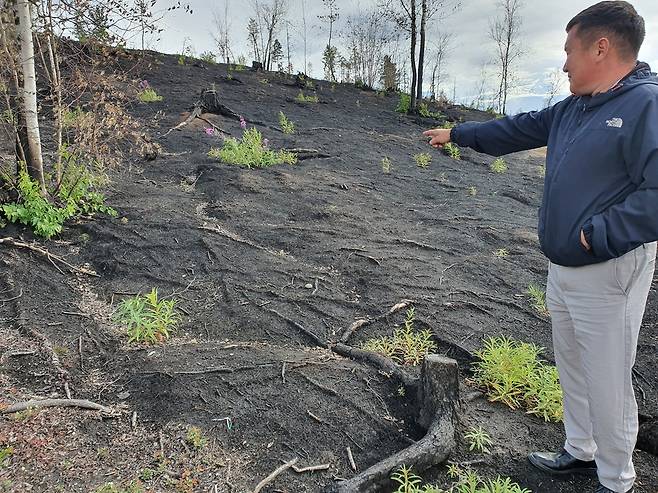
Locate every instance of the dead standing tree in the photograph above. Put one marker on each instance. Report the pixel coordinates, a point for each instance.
(330, 53)
(265, 26)
(413, 16)
(505, 31)
(221, 37)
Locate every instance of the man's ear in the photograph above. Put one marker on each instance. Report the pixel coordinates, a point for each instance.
(602, 47)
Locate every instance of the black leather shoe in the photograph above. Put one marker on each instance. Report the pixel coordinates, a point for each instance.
(562, 463)
(603, 489)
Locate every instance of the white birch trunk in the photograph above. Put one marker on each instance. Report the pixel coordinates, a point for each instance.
(29, 92)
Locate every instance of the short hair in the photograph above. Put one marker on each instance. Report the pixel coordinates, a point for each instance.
(613, 18)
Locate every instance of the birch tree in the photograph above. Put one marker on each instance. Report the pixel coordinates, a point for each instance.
(505, 31)
(28, 94)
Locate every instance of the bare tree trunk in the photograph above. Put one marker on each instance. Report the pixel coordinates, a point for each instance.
(29, 94)
(421, 53)
(414, 72)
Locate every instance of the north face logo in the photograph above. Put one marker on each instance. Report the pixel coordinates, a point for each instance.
(615, 122)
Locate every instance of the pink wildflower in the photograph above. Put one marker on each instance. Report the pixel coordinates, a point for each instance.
(210, 131)
(144, 84)
(243, 123)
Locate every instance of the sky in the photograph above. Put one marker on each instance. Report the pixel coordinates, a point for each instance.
(542, 39)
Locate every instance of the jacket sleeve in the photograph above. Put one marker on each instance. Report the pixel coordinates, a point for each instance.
(509, 134)
(634, 221)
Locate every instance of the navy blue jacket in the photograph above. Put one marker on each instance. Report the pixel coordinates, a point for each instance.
(601, 167)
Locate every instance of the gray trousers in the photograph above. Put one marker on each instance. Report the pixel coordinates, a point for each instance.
(596, 312)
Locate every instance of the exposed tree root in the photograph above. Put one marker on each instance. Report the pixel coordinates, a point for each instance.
(367, 321)
(42, 251)
(39, 403)
(438, 398)
(379, 361)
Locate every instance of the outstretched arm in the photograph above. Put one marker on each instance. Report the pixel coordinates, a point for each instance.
(502, 136)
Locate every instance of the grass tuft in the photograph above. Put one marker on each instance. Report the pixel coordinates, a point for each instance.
(452, 150)
(287, 126)
(301, 98)
(386, 165)
(147, 318)
(251, 152)
(149, 95)
(423, 159)
(512, 373)
(537, 299)
(406, 346)
(498, 166)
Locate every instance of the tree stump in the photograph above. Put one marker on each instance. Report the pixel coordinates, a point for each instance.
(438, 397)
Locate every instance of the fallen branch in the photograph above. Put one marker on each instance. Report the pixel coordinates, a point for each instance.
(274, 474)
(319, 467)
(351, 458)
(195, 113)
(367, 321)
(46, 253)
(299, 327)
(39, 403)
(14, 298)
(381, 362)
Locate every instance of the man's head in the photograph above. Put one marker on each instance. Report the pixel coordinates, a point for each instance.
(603, 41)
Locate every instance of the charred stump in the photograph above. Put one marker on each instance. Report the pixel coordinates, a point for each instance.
(438, 397)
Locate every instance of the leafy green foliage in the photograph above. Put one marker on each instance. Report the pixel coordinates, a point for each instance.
(287, 126)
(472, 191)
(537, 299)
(149, 95)
(147, 318)
(423, 159)
(407, 346)
(404, 105)
(195, 437)
(452, 150)
(478, 439)
(424, 111)
(70, 117)
(251, 152)
(133, 487)
(208, 57)
(75, 196)
(501, 253)
(5, 453)
(301, 98)
(467, 482)
(448, 125)
(511, 373)
(498, 166)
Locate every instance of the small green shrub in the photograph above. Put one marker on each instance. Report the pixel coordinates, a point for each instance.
(448, 125)
(76, 195)
(301, 98)
(71, 117)
(5, 454)
(181, 59)
(472, 191)
(404, 105)
(512, 373)
(133, 487)
(287, 126)
(407, 346)
(498, 166)
(195, 438)
(467, 482)
(501, 253)
(478, 440)
(423, 159)
(208, 57)
(386, 165)
(537, 299)
(147, 318)
(452, 150)
(542, 171)
(149, 95)
(251, 152)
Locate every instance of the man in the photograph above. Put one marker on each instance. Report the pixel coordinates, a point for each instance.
(598, 223)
